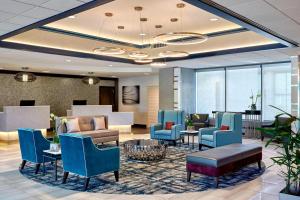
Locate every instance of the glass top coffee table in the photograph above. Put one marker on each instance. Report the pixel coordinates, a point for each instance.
(145, 150)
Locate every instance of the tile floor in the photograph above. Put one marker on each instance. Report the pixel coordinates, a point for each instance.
(13, 186)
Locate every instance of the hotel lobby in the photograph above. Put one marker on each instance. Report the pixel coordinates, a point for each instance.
(144, 100)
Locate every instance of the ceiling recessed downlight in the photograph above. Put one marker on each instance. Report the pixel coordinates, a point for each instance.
(213, 19)
(72, 17)
(68, 60)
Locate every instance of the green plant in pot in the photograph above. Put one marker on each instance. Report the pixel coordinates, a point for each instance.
(55, 144)
(286, 137)
(189, 122)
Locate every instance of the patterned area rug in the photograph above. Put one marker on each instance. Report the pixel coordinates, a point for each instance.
(161, 177)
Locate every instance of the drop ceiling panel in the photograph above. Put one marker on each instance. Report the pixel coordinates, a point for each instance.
(26, 12)
(281, 16)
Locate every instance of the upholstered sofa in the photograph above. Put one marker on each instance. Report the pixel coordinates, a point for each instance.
(87, 128)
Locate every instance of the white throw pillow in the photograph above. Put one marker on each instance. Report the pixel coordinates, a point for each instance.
(99, 123)
(73, 125)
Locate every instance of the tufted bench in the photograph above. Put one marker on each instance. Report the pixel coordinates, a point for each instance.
(221, 160)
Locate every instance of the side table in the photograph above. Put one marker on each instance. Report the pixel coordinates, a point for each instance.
(53, 156)
(190, 133)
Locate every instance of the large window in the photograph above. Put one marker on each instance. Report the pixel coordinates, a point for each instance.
(276, 89)
(210, 91)
(230, 88)
(241, 84)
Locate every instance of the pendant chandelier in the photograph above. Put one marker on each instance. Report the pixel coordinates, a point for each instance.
(90, 80)
(180, 37)
(139, 56)
(25, 76)
(108, 50)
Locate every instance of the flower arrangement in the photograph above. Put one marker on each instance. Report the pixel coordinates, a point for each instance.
(61, 122)
(287, 139)
(254, 100)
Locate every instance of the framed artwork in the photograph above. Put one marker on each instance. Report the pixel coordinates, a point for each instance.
(131, 95)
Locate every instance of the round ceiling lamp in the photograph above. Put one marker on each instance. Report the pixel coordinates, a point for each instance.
(173, 54)
(143, 60)
(158, 64)
(137, 54)
(25, 76)
(109, 51)
(180, 37)
(90, 80)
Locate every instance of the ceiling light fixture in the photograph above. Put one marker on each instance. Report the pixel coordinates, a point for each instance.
(68, 60)
(72, 17)
(213, 19)
(46, 71)
(143, 60)
(173, 54)
(109, 50)
(180, 37)
(90, 80)
(25, 76)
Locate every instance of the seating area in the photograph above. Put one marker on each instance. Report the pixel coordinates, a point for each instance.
(144, 100)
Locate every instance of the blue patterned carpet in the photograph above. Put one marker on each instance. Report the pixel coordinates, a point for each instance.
(162, 177)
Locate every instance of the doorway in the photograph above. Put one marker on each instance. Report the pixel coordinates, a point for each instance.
(107, 96)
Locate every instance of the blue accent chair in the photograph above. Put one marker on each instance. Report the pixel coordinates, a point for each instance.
(214, 137)
(158, 131)
(32, 144)
(80, 156)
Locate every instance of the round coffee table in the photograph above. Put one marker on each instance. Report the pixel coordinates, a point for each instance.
(145, 150)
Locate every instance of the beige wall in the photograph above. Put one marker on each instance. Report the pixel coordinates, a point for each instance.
(57, 92)
(140, 110)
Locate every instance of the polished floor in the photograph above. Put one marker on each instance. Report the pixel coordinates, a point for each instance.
(15, 186)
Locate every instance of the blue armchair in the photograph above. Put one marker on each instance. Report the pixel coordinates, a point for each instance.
(214, 137)
(32, 145)
(80, 156)
(159, 132)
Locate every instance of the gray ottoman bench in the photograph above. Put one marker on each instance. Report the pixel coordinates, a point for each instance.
(221, 160)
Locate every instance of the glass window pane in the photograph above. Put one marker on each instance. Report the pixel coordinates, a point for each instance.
(210, 91)
(241, 84)
(276, 89)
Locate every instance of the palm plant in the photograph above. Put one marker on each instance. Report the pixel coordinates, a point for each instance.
(286, 136)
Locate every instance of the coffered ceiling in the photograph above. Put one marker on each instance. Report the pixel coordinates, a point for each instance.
(97, 27)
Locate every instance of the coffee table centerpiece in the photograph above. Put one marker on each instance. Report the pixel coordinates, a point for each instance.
(145, 150)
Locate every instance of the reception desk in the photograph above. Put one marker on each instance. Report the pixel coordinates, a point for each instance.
(121, 121)
(14, 117)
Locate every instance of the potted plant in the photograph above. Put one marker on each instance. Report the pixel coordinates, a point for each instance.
(286, 136)
(254, 100)
(189, 122)
(55, 145)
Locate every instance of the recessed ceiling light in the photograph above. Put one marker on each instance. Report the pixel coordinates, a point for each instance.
(213, 19)
(142, 34)
(82, 74)
(46, 71)
(72, 17)
(110, 65)
(113, 76)
(68, 60)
